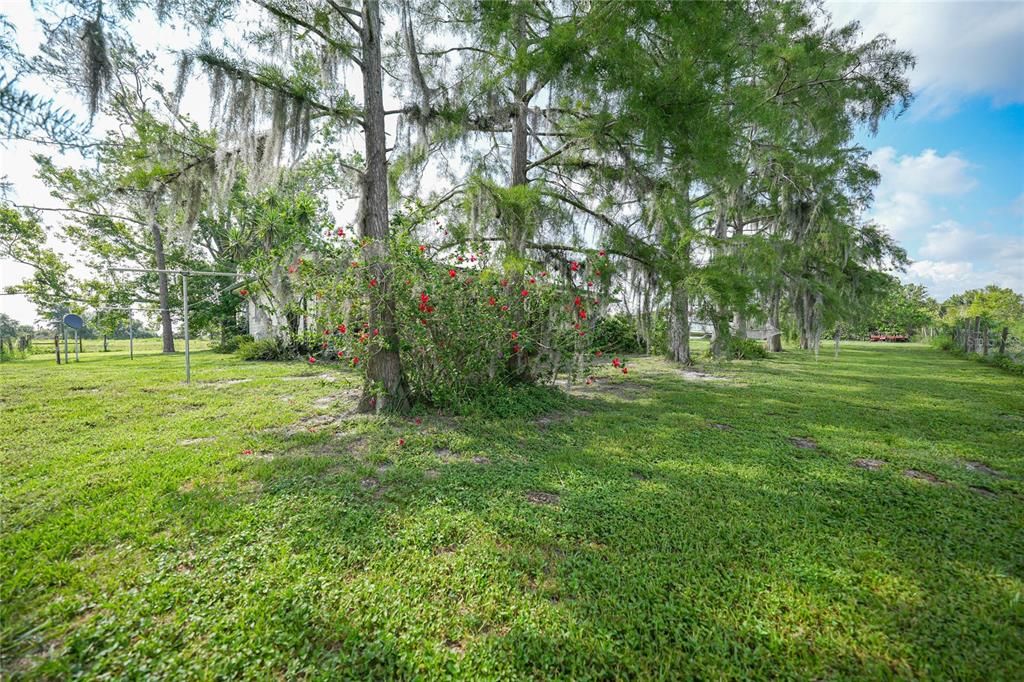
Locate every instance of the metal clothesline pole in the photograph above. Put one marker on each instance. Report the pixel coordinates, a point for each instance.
(184, 274)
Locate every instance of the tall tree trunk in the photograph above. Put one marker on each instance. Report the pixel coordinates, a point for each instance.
(385, 388)
(773, 342)
(161, 265)
(679, 325)
(519, 363)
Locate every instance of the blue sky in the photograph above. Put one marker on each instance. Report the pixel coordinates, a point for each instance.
(952, 166)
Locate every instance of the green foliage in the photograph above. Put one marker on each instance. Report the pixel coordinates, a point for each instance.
(267, 349)
(736, 348)
(233, 342)
(617, 334)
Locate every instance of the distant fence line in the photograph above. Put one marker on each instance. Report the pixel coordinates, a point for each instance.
(978, 337)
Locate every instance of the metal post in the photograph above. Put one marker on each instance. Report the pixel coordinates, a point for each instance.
(76, 345)
(184, 298)
(65, 330)
(131, 336)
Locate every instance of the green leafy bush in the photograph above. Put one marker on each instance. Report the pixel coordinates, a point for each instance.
(266, 349)
(743, 349)
(617, 334)
(231, 343)
(469, 327)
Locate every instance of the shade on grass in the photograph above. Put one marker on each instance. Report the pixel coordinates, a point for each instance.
(654, 525)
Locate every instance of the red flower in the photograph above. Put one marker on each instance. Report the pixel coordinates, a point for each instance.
(424, 298)
(472, 259)
(597, 272)
(583, 314)
(544, 274)
(525, 293)
(590, 284)
(401, 442)
(376, 332)
(341, 232)
(418, 421)
(247, 451)
(589, 381)
(515, 335)
(601, 254)
(243, 292)
(504, 308)
(598, 353)
(373, 282)
(460, 258)
(291, 268)
(355, 361)
(451, 273)
(327, 332)
(491, 301)
(341, 354)
(625, 370)
(324, 345)
(312, 360)
(430, 308)
(423, 247)
(533, 281)
(515, 348)
(574, 266)
(504, 282)
(576, 302)
(616, 362)
(422, 321)
(342, 328)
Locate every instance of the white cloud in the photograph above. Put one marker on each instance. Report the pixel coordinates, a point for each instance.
(963, 48)
(902, 198)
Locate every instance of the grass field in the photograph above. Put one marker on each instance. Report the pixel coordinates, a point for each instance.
(660, 525)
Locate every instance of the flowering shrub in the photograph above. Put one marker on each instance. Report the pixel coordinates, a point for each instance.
(467, 326)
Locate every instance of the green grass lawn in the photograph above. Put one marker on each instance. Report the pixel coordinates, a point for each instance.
(660, 525)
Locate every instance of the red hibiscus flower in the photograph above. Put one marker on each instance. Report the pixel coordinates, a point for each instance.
(625, 370)
(616, 362)
(577, 302)
(504, 282)
(423, 247)
(598, 353)
(341, 354)
(243, 292)
(590, 284)
(544, 274)
(401, 442)
(355, 361)
(491, 301)
(504, 308)
(601, 254)
(341, 232)
(376, 332)
(574, 266)
(247, 451)
(373, 282)
(342, 328)
(452, 273)
(424, 298)
(533, 281)
(418, 421)
(583, 314)
(312, 360)
(525, 293)
(515, 348)
(515, 335)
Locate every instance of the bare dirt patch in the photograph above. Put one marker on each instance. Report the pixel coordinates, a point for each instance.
(537, 497)
(929, 478)
(307, 377)
(983, 468)
(983, 491)
(803, 443)
(223, 383)
(695, 375)
(721, 427)
(481, 460)
(869, 464)
(369, 483)
(350, 396)
(196, 441)
(445, 455)
(454, 646)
